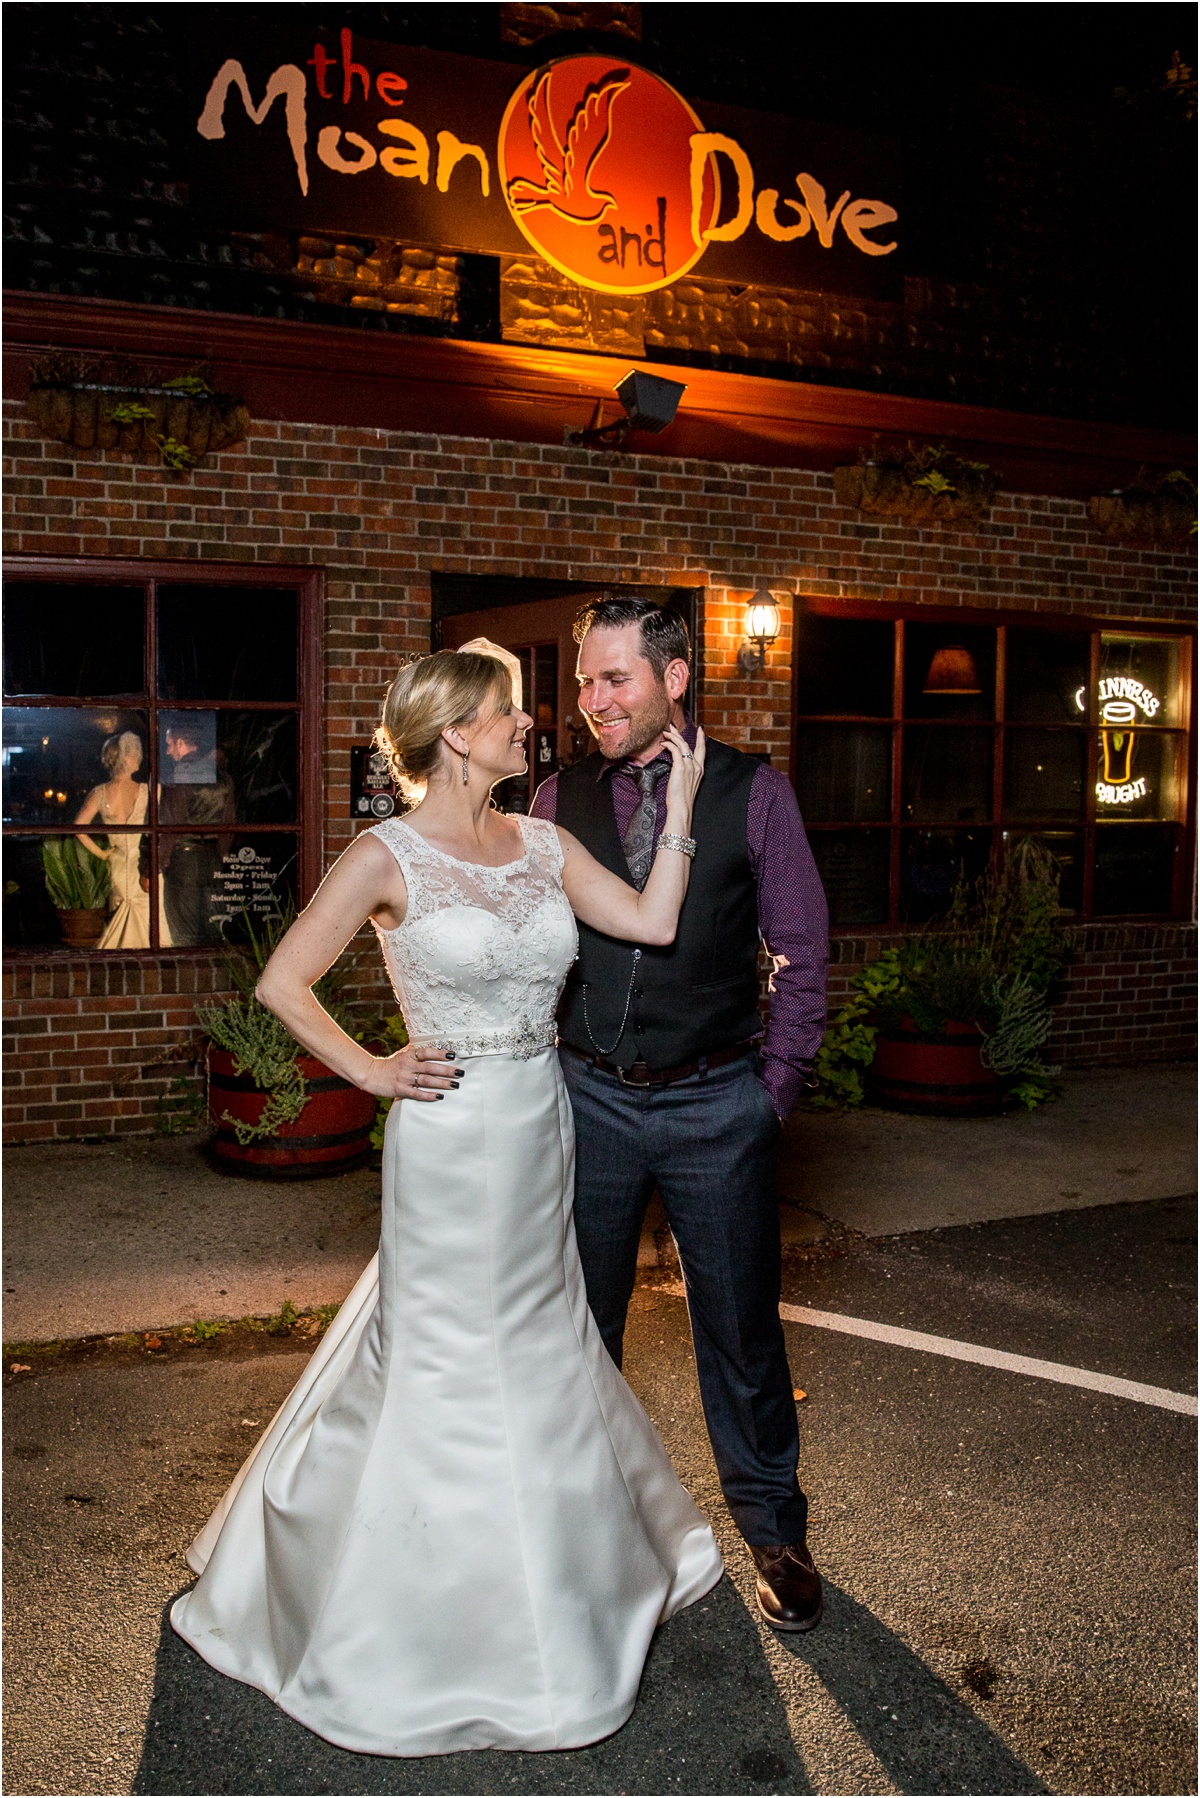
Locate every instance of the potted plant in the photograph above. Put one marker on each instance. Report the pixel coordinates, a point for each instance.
(954, 1023)
(928, 483)
(279, 1113)
(78, 884)
(108, 402)
(1161, 511)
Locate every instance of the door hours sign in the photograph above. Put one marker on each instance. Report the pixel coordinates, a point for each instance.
(598, 166)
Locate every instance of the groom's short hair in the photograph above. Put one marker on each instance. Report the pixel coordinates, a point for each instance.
(664, 634)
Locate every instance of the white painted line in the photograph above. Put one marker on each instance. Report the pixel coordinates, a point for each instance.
(1161, 1396)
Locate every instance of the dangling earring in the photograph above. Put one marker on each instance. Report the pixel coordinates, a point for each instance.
(466, 759)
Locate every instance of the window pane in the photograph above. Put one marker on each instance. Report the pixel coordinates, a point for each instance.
(932, 862)
(74, 639)
(209, 883)
(853, 865)
(944, 657)
(227, 767)
(1046, 677)
(1136, 775)
(1066, 847)
(1134, 864)
(843, 665)
(844, 772)
(1139, 680)
(227, 642)
(59, 891)
(947, 775)
(56, 757)
(1044, 773)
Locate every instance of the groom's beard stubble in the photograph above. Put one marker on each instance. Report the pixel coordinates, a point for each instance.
(646, 723)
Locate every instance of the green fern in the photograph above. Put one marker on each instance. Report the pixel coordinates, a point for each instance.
(76, 880)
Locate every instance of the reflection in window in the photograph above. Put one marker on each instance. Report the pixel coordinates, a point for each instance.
(844, 772)
(1134, 867)
(947, 775)
(210, 884)
(844, 667)
(1044, 774)
(227, 642)
(83, 641)
(1139, 677)
(932, 862)
(1066, 849)
(853, 865)
(56, 758)
(1046, 677)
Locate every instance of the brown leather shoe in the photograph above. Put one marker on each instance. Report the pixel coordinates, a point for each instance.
(789, 1586)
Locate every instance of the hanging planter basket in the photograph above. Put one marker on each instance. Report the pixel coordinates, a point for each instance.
(930, 485)
(94, 406)
(1162, 516)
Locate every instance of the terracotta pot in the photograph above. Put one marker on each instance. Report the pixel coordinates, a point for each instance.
(82, 929)
(331, 1134)
(941, 1076)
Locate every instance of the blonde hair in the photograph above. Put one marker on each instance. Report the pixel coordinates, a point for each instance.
(115, 747)
(426, 698)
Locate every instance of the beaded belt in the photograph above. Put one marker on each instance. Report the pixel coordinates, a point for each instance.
(526, 1040)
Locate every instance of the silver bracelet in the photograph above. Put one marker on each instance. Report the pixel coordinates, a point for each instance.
(670, 839)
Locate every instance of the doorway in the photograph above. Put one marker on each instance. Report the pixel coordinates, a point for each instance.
(534, 619)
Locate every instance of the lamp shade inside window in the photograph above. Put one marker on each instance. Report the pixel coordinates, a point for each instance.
(952, 670)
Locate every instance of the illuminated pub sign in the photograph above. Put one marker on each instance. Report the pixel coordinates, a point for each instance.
(598, 165)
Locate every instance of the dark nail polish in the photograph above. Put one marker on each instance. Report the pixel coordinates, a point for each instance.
(454, 1084)
(459, 1072)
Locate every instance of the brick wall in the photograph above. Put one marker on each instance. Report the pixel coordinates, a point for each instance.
(379, 512)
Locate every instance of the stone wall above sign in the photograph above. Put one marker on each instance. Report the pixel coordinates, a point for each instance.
(597, 165)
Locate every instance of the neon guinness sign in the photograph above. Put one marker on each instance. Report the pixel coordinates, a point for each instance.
(1120, 698)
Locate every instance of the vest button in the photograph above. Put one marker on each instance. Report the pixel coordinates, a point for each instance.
(637, 992)
(639, 1030)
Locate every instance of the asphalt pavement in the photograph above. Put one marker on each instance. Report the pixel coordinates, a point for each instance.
(1009, 1562)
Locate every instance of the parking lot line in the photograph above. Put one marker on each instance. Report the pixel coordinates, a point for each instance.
(1162, 1396)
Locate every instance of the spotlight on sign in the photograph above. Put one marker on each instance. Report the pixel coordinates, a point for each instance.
(762, 626)
(650, 404)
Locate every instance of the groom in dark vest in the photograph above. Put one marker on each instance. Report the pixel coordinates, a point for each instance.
(672, 1081)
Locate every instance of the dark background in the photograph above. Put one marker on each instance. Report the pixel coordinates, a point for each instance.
(1048, 176)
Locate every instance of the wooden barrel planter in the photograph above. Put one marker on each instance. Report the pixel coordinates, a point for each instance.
(331, 1135)
(935, 1076)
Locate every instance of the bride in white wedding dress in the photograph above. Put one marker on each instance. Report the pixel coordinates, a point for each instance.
(460, 1530)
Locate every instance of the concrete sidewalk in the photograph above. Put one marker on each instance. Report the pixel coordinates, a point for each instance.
(139, 1235)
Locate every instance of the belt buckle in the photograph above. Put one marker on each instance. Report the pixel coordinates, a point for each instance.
(623, 1075)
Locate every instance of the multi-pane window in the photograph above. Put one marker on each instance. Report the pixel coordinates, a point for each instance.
(157, 722)
(922, 748)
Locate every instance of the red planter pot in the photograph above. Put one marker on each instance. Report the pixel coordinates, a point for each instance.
(331, 1134)
(941, 1076)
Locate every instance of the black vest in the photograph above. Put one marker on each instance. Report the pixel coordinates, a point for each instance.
(701, 993)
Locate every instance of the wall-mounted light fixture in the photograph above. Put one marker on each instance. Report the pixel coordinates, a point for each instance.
(650, 404)
(952, 671)
(762, 625)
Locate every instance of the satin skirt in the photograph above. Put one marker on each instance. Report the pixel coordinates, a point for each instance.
(461, 1529)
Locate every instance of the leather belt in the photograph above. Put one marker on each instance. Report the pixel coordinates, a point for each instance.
(640, 1075)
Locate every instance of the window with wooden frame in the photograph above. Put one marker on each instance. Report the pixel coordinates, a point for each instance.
(925, 743)
(162, 752)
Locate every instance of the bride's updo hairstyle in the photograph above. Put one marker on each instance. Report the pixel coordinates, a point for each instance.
(450, 687)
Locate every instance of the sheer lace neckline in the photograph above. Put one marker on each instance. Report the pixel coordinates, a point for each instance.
(457, 860)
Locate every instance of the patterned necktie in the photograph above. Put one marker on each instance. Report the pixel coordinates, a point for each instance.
(638, 842)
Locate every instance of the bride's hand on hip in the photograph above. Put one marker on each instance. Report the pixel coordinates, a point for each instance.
(413, 1074)
(687, 771)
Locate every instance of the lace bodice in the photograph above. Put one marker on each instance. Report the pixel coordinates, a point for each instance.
(480, 958)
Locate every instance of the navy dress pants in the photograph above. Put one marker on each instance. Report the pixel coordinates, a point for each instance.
(709, 1144)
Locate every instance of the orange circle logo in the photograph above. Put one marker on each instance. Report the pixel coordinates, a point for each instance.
(596, 164)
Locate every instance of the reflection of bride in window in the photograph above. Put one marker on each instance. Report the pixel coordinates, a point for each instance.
(121, 800)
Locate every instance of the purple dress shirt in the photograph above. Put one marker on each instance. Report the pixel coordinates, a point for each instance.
(792, 914)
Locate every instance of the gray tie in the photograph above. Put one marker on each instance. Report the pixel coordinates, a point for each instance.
(638, 842)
